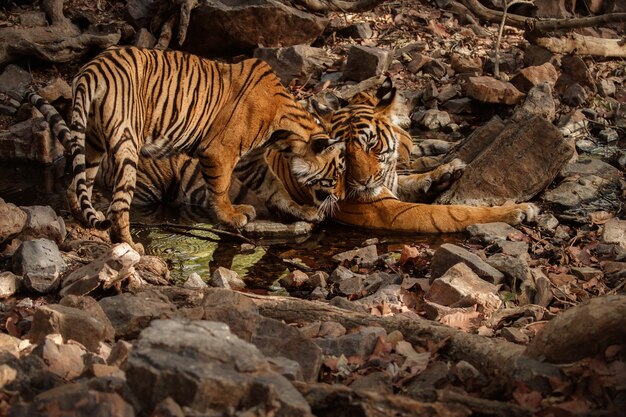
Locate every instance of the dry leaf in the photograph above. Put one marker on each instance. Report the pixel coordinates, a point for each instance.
(468, 321)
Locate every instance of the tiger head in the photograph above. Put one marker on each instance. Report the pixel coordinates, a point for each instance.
(371, 138)
(316, 171)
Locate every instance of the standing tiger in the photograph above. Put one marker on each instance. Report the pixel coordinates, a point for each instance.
(132, 101)
(372, 182)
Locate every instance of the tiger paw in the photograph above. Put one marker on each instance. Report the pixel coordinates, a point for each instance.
(310, 214)
(525, 212)
(238, 217)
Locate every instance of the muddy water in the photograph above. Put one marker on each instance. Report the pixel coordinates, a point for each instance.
(202, 252)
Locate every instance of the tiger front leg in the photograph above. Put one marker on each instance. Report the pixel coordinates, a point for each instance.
(217, 175)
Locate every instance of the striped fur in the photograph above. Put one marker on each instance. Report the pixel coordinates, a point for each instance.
(178, 180)
(131, 102)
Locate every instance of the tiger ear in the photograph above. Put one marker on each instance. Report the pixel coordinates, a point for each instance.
(320, 145)
(386, 95)
(321, 112)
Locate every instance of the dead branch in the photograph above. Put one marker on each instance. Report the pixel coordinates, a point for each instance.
(584, 45)
(323, 6)
(583, 330)
(541, 26)
(491, 356)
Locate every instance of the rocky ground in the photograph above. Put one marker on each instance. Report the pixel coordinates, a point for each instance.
(507, 321)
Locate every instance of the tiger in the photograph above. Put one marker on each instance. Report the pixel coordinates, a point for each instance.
(375, 191)
(178, 180)
(131, 102)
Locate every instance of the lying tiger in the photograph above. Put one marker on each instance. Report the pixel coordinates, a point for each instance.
(130, 102)
(378, 209)
(373, 184)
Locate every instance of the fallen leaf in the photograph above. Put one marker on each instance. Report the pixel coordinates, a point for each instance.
(468, 321)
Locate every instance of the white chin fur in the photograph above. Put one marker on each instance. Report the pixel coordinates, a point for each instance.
(299, 166)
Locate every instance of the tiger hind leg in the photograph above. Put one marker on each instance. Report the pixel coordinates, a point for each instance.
(93, 158)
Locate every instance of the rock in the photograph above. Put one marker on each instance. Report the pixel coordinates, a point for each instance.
(543, 286)
(41, 264)
(536, 55)
(575, 191)
(168, 408)
(11, 345)
(435, 119)
(466, 64)
(151, 269)
(286, 367)
(14, 79)
(515, 269)
(492, 232)
(115, 266)
(340, 274)
(517, 249)
(141, 11)
(539, 102)
(391, 296)
(119, 353)
(9, 284)
(448, 255)
(42, 221)
(272, 337)
(417, 63)
(231, 26)
(226, 278)
(608, 135)
(489, 90)
(90, 306)
(366, 255)
(12, 220)
(460, 286)
(318, 279)
(319, 293)
(82, 401)
(606, 87)
(62, 359)
(547, 221)
(435, 68)
(274, 230)
(586, 273)
(195, 282)
(573, 124)
(203, 366)
(574, 71)
(130, 313)
(353, 286)
(508, 62)
(492, 179)
(294, 279)
(296, 62)
(582, 167)
(360, 30)
(555, 9)
(71, 324)
(529, 77)
(361, 343)
(331, 329)
(575, 95)
(143, 38)
(30, 140)
(460, 106)
(614, 232)
(57, 88)
(365, 62)
(515, 335)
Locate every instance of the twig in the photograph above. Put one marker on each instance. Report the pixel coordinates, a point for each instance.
(218, 232)
(496, 70)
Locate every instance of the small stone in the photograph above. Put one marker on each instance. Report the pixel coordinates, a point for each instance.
(43, 222)
(41, 264)
(489, 90)
(547, 221)
(459, 105)
(339, 274)
(492, 232)
(360, 343)
(247, 248)
(466, 64)
(543, 286)
(352, 286)
(608, 135)
(288, 368)
(573, 124)
(536, 55)
(367, 254)
(532, 76)
(615, 232)
(119, 353)
(12, 220)
(515, 269)
(448, 255)
(62, 359)
(571, 193)
(331, 329)
(435, 119)
(417, 63)
(194, 282)
(366, 62)
(515, 335)
(507, 63)
(144, 39)
(435, 68)
(168, 408)
(459, 283)
(606, 87)
(9, 284)
(275, 230)
(14, 79)
(516, 249)
(539, 102)
(591, 167)
(575, 95)
(58, 88)
(226, 278)
(319, 293)
(318, 279)
(586, 273)
(9, 344)
(295, 279)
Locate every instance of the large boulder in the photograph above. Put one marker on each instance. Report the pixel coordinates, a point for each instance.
(230, 26)
(295, 62)
(203, 366)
